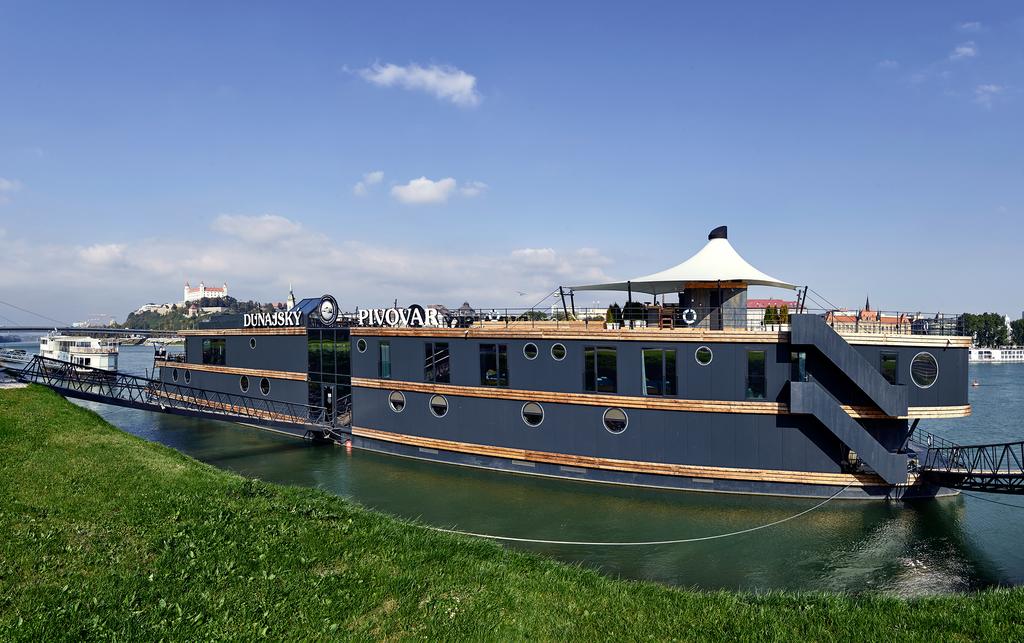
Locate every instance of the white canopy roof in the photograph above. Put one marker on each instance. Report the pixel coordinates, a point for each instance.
(716, 261)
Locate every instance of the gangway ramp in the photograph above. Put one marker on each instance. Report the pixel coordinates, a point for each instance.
(120, 389)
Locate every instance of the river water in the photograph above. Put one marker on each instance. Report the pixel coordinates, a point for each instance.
(908, 549)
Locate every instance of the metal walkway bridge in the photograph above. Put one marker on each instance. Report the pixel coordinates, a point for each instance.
(994, 468)
(119, 389)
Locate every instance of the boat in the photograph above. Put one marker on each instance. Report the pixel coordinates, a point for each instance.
(14, 357)
(996, 355)
(86, 353)
(134, 339)
(685, 387)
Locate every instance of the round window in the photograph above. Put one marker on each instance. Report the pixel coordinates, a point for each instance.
(243, 383)
(438, 406)
(396, 401)
(530, 350)
(188, 377)
(615, 420)
(558, 352)
(703, 355)
(924, 370)
(361, 345)
(265, 386)
(174, 374)
(533, 413)
(252, 343)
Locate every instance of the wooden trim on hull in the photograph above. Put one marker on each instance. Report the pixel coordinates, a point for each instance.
(231, 370)
(635, 402)
(630, 466)
(223, 332)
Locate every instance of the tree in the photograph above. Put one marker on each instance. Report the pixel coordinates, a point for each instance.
(771, 317)
(784, 314)
(1017, 331)
(988, 329)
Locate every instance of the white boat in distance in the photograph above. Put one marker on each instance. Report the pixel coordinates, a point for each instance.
(996, 355)
(81, 350)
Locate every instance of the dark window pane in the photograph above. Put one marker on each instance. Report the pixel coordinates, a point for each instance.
(494, 364)
(327, 352)
(314, 351)
(607, 371)
(589, 372)
(889, 366)
(436, 362)
(798, 366)
(670, 373)
(756, 385)
(654, 366)
(384, 360)
(343, 355)
(213, 351)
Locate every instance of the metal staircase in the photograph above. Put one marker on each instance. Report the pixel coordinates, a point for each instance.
(812, 399)
(119, 389)
(811, 330)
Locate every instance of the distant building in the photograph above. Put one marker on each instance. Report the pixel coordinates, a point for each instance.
(868, 320)
(200, 292)
(160, 309)
(757, 307)
(291, 299)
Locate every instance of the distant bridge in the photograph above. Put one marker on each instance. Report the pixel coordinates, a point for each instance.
(87, 330)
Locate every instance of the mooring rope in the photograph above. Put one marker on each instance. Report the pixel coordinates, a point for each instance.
(541, 541)
(995, 502)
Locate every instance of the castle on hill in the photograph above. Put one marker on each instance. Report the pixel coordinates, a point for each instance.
(200, 292)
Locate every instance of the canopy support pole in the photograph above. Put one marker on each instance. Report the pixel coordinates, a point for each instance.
(572, 302)
(629, 292)
(565, 310)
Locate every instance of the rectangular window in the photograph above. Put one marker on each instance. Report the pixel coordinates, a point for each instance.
(494, 364)
(436, 363)
(600, 369)
(756, 385)
(213, 352)
(313, 345)
(889, 366)
(659, 371)
(384, 363)
(798, 366)
(327, 352)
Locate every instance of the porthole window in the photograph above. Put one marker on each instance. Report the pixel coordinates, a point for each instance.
(252, 343)
(243, 383)
(703, 355)
(530, 351)
(361, 345)
(188, 377)
(924, 370)
(558, 352)
(439, 406)
(396, 401)
(174, 374)
(265, 386)
(533, 414)
(615, 420)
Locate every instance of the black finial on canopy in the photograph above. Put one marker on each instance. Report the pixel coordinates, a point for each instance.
(721, 232)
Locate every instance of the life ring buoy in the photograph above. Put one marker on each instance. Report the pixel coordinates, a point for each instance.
(689, 316)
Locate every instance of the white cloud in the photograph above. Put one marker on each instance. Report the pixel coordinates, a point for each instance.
(262, 228)
(69, 279)
(370, 178)
(888, 64)
(473, 188)
(7, 188)
(103, 254)
(964, 50)
(424, 190)
(972, 27)
(444, 82)
(985, 94)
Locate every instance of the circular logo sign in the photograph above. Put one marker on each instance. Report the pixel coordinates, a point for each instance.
(327, 310)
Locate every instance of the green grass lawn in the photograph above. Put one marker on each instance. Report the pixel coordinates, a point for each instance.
(104, 535)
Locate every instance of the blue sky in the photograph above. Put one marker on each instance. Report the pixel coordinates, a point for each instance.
(864, 148)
